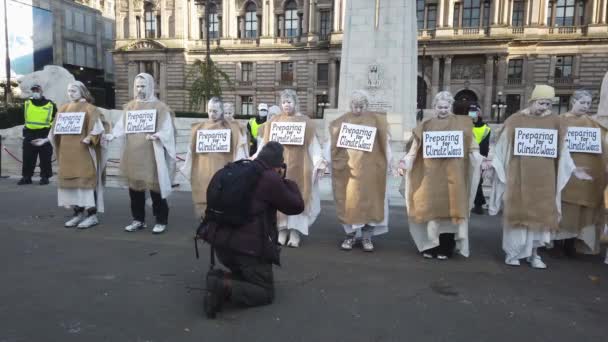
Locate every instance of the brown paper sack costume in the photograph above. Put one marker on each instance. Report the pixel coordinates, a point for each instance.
(531, 186)
(439, 195)
(80, 166)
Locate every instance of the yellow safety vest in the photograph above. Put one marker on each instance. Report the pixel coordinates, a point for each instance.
(38, 117)
(254, 127)
(481, 133)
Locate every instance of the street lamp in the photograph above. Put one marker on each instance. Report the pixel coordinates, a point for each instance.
(323, 104)
(422, 98)
(499, 106)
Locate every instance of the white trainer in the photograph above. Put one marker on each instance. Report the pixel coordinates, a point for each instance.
(294, 239)
(135, 226)
(442, 257)
(537, 262)
(427, 255)
(348, 243)
(282, 237)
(606, 260)
(512, 262)
(75, 220)
(89, 222)
(159, 228)
(368, 246)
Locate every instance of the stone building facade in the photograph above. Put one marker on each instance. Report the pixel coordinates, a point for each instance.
(488, 52)
(83, 40)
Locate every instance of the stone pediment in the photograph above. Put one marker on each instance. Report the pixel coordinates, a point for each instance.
(144, 44)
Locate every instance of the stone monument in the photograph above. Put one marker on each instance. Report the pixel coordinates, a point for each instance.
(379, 55)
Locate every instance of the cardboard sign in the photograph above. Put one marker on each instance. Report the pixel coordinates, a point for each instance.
(288, 133)
(535, 142)
(69, 123)
(141, 121)
(213, 140)
(584, 140)
(357, 137)
(442, 144)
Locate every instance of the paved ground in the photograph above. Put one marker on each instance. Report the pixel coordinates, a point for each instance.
(107, 285)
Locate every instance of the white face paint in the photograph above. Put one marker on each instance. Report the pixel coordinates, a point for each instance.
(215, 112)
(582, 106)
(228, 111)
(141, 88)
(358, 107)
(539, 107)
(443, 108)
(74, 93)
(289, 105)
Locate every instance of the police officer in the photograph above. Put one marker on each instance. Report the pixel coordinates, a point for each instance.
(39, 114)
(481, 133)
(253, 127)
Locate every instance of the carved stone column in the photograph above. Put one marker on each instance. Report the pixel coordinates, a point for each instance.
(447, 73)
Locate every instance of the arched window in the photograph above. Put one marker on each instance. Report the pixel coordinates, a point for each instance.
(291, 19)
(150, 21)
(251, 21)
(214, 23)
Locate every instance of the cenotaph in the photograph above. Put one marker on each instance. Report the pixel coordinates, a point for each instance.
(379, 55)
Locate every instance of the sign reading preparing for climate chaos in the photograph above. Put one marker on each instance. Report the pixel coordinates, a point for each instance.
(69, 123)
(213, 140)
(535, 142)
(584, 140)
(357, 137)
(288, 133)
(141, 121)
(442, 144)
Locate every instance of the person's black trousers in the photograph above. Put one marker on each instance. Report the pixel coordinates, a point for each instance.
(480, 199)
(252, 279)
(447, 244)
(160, 208)
(31, 154)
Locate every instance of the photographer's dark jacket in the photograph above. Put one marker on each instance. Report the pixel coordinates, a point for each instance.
(259, 237)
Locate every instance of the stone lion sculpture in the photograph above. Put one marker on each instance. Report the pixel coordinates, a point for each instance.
(54, 81)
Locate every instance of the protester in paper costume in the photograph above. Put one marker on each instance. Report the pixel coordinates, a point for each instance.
(530, 187)
(229, 116)
(201, 166)
(440, 191)
(304, 165)
(359, 178)
(582, 199)
(81, 159)
(148, 159)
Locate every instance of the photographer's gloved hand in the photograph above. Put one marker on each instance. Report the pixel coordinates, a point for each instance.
(39, 142)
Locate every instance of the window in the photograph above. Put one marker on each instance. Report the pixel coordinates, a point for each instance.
(109, 63)
(201, 28)
(561, 106)
(251, 21)
(322, 103)
(325, 21)
(431, 17)
(88, 21)
(287, 72)
(91, 60)
(518, 13)
(138, 26)
(108, 30)
(149, 68)
(564, 12)
(214, 24)
(78, 22)
(150, 22)
(470, 13)
(247, 72)
(68, 19)
(79, 53)
(322, 74)
(486, 13)
(456, 22)
(581, 12)
(247, 105)
(291, 19)
(513, 104)
(69, 53)
(515, 69)
(563, 67)
(420, 13)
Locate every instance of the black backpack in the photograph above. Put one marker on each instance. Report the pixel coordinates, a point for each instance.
(230, 192)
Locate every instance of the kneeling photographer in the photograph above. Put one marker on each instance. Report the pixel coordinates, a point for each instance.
(247, 244)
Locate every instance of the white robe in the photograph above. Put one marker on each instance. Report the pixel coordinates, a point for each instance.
(164, 150)
(426, 235)
(519, 242)
(379, 228)
(85, 197)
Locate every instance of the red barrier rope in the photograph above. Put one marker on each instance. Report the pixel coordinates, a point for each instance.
(12, 155)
